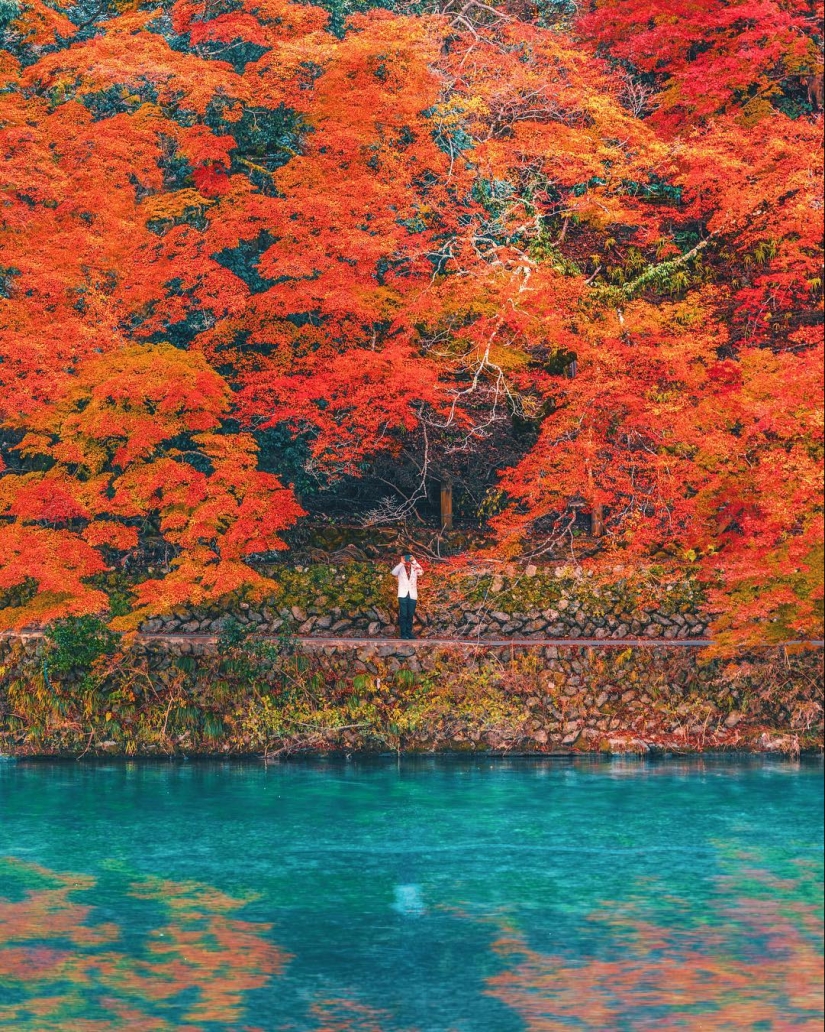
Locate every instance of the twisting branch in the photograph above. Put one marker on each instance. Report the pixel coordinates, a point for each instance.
(395, 510)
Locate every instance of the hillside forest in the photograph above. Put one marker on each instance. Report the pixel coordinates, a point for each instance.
(263, 262)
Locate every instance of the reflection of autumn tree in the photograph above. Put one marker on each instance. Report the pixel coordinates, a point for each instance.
(192, 971)
(751, 958)
(755, 960)
(347, 1015)
(61, 970)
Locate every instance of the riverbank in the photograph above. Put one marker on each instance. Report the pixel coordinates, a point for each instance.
(239, 695)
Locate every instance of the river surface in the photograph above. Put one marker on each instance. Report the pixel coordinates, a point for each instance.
(430, 895)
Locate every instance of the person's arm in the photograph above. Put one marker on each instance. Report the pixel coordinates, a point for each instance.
(396, 570)
(416, 565)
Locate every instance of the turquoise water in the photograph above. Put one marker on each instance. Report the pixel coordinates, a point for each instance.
(427, 895)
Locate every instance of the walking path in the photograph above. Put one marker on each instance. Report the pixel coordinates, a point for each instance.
(624, 643)
(535, 642)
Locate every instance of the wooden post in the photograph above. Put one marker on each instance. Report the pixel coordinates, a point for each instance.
(597, 521)
(446, 505)
(597, 512)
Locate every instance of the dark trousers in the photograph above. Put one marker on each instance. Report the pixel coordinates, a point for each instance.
(406, 612)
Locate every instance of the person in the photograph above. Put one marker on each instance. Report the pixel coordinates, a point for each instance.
(407, 573)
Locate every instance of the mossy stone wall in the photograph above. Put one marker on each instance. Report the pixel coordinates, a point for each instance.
(162, 697)
(357, 599)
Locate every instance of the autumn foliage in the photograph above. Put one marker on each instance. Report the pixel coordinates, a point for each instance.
(399, 233)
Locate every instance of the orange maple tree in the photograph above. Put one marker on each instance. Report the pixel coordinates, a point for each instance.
(131, 440)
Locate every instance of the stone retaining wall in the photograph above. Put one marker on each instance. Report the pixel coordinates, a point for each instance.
(554, 603)
(586, 697)
(432, 697)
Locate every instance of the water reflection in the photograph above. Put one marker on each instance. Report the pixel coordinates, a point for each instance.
(62, 968)
(408, 899)
(351, 1016)
(751, 959)
(434, 897)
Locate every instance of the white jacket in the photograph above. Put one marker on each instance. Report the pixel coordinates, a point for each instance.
(407, 586)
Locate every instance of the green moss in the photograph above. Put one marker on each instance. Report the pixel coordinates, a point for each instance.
(18, 595)
(354, 586)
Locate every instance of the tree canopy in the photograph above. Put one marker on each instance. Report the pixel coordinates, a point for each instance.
(389, 233)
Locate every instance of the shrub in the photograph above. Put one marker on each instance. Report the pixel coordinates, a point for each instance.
(78, 642)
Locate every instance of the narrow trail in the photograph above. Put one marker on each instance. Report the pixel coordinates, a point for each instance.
(472, 643)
